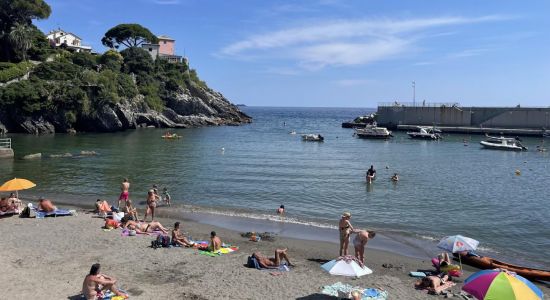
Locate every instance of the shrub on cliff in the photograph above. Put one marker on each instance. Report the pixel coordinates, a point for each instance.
(10, 71)
(56, 70)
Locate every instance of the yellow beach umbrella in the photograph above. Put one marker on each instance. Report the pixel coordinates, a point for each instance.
(16, 184)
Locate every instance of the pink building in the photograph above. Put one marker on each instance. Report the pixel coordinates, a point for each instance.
(165, 49)
(166, 45)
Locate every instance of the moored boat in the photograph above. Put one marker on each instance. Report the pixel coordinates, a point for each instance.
(312, 137)
(425, 133)
(503, 143)
(373, 132)
(484, 262)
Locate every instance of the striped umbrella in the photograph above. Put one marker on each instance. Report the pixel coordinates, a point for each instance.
(499, 285)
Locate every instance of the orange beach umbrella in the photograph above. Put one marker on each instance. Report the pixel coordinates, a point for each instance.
(16, 184)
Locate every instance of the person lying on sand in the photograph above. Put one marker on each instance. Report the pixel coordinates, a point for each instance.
(274, 262)
(144, 228)
(178, 238)
(46, 205)
(6, 205)
(434, 283)
(95, 283)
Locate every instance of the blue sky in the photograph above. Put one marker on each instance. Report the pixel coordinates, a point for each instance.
(328, 53)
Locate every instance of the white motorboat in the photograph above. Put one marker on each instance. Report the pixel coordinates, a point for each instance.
(373, 132)
(313, 138)
(503, 143)
(425, 133)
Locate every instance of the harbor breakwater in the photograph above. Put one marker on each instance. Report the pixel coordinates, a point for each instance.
(393, 115)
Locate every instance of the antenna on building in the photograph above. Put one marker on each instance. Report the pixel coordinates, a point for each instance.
(414, 92)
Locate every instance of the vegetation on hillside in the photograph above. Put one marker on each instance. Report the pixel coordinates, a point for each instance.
(70, 86)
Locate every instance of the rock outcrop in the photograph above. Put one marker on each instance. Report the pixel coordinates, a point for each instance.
(192, 107)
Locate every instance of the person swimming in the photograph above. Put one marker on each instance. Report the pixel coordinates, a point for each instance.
(281, 210)
(395, 177)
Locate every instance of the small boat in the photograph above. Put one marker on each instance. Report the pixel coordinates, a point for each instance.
(373, 132)
(292, 132)
(546, 133)
(503, 143)
(312, 138)
(485, 263)
(425, 133)
(171, 136)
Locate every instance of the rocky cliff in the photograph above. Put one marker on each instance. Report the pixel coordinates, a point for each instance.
(193, 106)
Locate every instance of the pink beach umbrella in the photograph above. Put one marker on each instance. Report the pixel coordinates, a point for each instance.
(499, 285)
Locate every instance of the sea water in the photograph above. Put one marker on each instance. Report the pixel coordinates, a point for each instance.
(244, 173)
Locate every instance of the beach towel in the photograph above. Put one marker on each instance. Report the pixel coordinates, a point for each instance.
(417, 274)
(339, 289)
(10, 212)
(225, 249)
(55, 213)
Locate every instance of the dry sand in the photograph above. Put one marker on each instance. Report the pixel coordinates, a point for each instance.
(48, 259)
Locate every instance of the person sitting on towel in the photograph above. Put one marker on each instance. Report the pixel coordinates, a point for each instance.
(215, 242)
(16, 202)
(6, 205)
(144, 228)
(131, 210)
(178, 238)
(46, 205)
(95, 283)
(102, 208)
(274, 262)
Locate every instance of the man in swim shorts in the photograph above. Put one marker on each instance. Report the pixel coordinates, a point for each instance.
(360, 241)
(124, 188)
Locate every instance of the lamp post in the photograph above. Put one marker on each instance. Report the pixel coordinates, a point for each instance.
(414, 93)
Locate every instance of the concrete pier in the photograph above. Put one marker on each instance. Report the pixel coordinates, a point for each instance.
(478, 130)
(455, 118)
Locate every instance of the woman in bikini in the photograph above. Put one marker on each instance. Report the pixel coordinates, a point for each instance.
(345, 228)
(360, 241)
(273, 262)
(145, 228)
(131, 210)
(151, 205)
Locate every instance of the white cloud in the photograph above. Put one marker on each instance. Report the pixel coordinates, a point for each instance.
(468, 53)
(353, 82)
(344, 42)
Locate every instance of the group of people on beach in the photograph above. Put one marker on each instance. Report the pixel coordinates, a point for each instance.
(10, 203)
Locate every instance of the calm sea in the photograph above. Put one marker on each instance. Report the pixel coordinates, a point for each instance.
(446, 187)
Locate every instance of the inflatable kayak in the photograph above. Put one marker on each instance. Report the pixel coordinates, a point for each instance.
(171, 136)
(485, 263)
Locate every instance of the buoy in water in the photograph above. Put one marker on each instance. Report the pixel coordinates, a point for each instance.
(518, 172)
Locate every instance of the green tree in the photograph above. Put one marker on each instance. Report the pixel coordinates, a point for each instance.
(111, 60)
(14, 13)
(84, 59)
(129, 35)
(139, 62)
(20, 38)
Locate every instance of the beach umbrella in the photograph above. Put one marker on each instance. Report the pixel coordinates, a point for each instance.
(346, 266)
(16, 185)
(458, 243)
(500, 285)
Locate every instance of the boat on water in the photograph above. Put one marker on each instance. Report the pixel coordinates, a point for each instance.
(503, 143)
(312, 138)
(172, 136)
(486, 263)
(425, 133)
(372, 131)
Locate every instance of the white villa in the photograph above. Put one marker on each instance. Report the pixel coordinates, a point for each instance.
(61, 38)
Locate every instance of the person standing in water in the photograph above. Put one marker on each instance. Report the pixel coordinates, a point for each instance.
(125, 191)
(371, 174)
(281, 210)
(345, 228)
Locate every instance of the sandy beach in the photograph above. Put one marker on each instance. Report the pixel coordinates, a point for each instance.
(48, 259)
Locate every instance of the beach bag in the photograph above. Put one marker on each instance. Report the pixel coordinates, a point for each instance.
(252, 262)
(161, 241)
(28, 213)
(110, 224)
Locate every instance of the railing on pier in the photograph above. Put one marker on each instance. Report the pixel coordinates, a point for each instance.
(5, 143)
(418, 104)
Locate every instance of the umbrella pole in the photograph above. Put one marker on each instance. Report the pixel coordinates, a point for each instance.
(460, 260)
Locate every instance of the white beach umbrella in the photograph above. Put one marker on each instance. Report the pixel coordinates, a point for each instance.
(346, 266)
(458, 243)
